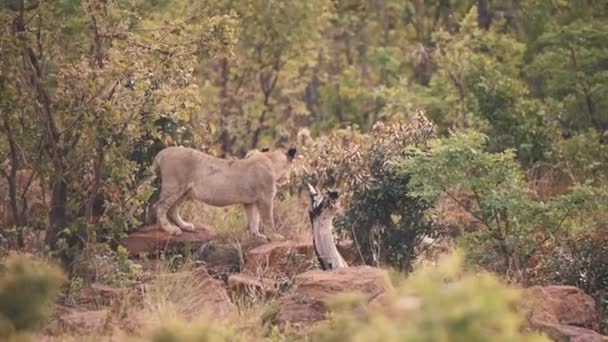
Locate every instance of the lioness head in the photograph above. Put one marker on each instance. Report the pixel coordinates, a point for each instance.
(281, 160)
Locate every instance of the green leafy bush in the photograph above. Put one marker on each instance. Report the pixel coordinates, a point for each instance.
(200, 332)
(516, 227)
(28, 289)
(385, 222)
(583, 157)
(434, 304)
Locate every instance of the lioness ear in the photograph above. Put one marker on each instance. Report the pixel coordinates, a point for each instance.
(291, 153)
(265, 149)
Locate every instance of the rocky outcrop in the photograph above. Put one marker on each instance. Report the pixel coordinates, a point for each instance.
(569, 333)
(204, 295)
(282, 258)
(93, 296)
(89, 321)
(151, 239)
(285, 258)
(248, 285)
(564, 313)
(307, 303)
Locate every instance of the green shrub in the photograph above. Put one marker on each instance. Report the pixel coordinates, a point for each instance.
(191, 332)
(386, 221)
(28, 289)
(516, 227)
(434, 304)
(584, 158)
(99, 263)
(580, 260)
(380, 216)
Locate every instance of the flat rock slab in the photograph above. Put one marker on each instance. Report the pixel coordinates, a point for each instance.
(245, 284)
(151, 239)
(564, 313)
(84, 321)
(284, 258)
(308, 301)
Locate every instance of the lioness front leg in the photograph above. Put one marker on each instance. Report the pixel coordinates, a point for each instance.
(266, 211)
(253, 220)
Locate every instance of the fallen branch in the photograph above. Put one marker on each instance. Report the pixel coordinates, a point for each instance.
(323, 209)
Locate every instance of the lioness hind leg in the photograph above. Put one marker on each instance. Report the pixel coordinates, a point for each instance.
(176, 218)
(162, 206)
(253, 220)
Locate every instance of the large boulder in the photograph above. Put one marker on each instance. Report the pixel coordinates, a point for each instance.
(281, 258)
(197, 293)
(152, 239)
(247, 285)
(84, 321)
(96, 295)
(569, 333)
(308, 301)
(564, 313)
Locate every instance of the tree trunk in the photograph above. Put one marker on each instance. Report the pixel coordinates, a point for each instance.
(484, 14)
(57, 214)
(322, 212)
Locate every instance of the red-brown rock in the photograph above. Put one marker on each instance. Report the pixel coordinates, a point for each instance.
(564, 313)
(569, 333)
(249, 285)
(308, 301)
(561, 304)
(98, 294)
(285, 258)
(151, 239)
(282, 258)
(84, 321)
(198, 293)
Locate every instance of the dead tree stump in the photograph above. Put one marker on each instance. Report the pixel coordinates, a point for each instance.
(322, 212)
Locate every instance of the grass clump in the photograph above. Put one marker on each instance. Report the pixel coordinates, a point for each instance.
(28, 289)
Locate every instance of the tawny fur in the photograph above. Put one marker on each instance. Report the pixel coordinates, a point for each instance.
(190, 174)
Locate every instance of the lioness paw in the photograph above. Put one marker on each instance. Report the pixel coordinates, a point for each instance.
(262, 237)
(172, 230)
(189, 227)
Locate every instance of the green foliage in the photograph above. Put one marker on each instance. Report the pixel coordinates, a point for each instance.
(581, 260)
(380, 215)
(583, 158)
(386, 221)
(477, 84)
(28, 289)
(100, 264)
(569, 65)
(95, 82)
(516, 226)
(195, 332)
(254, 98)
(434, 304)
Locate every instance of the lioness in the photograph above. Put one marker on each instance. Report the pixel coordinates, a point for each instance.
(190, 174)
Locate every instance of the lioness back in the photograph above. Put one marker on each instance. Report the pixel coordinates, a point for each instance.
(216, 181)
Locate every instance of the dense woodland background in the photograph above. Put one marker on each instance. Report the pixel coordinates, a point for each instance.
(480, 123)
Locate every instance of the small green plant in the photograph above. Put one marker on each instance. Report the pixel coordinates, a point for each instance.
(99, 263)
(435, 304)
(207, 331)
(28, 289)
